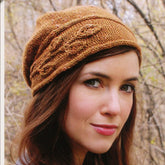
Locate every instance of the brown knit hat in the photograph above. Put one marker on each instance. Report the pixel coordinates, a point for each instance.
(62, 39)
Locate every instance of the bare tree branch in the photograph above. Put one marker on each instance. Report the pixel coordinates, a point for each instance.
(150, 113)
(78, 2)
(115, 11)
(51, 3)
(163, 2)
(149, 12)
(150, 46)
(37, 6)
(10, 21)
(160, 135)
(148, 23)
(9, 41)
(102, 4)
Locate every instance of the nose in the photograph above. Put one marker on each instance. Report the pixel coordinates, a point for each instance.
(112, 103)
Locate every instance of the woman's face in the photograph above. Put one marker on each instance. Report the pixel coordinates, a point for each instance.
(100, 102)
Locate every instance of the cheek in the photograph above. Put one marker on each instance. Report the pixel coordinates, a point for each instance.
(79, 111)
(79, 106)
(126, 109)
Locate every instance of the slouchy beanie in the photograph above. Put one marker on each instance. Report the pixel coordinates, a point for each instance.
(63, 38)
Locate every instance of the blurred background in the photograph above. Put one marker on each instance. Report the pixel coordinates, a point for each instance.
(145, 17)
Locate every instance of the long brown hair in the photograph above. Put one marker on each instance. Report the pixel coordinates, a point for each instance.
(43, 141)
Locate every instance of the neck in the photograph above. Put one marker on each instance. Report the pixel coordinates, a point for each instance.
(79, 154)
(79, 160)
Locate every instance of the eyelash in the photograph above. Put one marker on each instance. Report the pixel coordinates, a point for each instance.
(89, 83)
(129, 87)
(132, 88)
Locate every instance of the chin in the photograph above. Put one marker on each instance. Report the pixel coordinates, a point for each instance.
(100, 149)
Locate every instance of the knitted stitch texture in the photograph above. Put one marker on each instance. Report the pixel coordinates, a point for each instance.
(62, 39)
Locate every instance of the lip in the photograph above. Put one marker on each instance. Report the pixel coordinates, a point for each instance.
(105, 129)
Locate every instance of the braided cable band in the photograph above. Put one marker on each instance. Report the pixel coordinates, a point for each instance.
(54, 48)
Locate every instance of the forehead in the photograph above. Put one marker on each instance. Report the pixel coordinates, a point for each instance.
(126, 62)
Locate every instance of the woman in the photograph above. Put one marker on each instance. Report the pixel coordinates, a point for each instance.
(82, 65)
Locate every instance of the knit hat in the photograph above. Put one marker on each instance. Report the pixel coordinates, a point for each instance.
(61, 39)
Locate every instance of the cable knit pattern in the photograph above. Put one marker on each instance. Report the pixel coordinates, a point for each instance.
(62, 39)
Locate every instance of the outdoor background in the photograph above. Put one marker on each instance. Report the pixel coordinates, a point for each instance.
(145, 17)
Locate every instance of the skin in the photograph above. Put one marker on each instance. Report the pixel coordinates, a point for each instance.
(102, 94)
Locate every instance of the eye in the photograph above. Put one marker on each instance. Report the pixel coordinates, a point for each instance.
(94, 83)
(128, 88)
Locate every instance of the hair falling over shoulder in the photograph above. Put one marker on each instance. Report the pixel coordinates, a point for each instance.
(42, 131)
(42, 140)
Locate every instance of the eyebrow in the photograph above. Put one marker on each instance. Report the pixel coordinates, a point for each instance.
(132, 79)
(109, 78)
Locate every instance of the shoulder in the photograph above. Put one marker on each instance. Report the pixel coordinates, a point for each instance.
(26, 161)
(18, 162)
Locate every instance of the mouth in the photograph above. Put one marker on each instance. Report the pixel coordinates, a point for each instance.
(104, 129)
